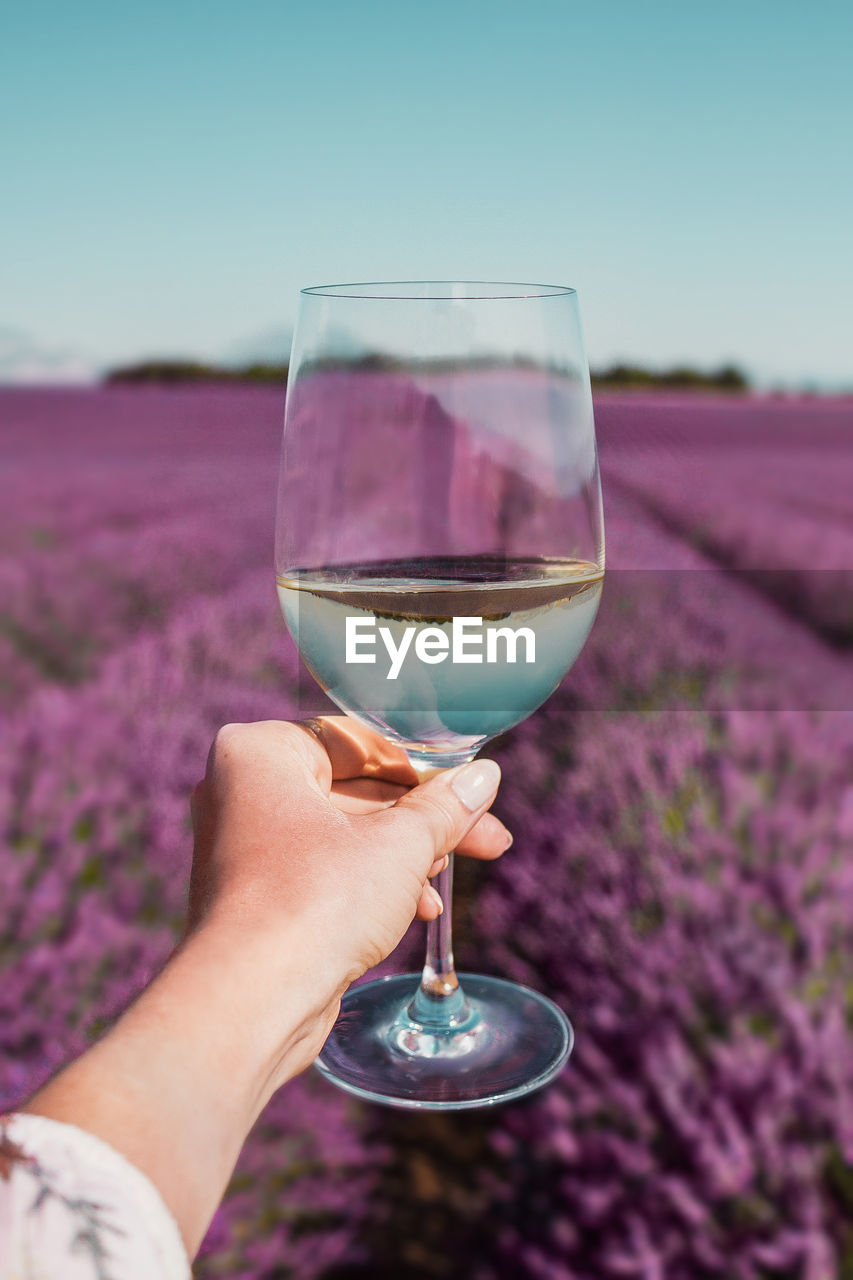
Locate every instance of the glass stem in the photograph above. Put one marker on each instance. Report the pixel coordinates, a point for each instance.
(439, 1002)
(439, 976)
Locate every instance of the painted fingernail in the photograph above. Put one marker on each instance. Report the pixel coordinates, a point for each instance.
(477, 782)
(436, 898)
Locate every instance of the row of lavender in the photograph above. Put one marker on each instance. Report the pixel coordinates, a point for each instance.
(116, 510)
(772, 501)
(678, 883)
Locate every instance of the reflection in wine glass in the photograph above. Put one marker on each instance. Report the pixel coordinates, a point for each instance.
(439, 560)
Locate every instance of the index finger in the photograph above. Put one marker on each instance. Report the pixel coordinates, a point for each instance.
(354, 751)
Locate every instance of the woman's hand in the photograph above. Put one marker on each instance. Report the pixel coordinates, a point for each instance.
(324, 823)
(313, 848)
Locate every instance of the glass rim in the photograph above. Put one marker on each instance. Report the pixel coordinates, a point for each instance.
(451, 291)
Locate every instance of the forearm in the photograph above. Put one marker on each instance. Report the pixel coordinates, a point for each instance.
(179, 1081)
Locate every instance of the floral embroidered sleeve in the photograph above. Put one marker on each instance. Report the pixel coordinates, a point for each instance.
(72, 1208)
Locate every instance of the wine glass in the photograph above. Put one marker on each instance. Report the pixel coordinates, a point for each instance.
(439, 562)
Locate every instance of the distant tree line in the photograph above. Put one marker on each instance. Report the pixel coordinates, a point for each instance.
(175, 372)
(680, 378)
(617, 376)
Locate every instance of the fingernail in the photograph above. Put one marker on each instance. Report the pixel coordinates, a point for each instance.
(509, 839)
(477, 782)
(436, 898)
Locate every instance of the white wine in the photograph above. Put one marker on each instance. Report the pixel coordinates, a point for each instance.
(441, 655)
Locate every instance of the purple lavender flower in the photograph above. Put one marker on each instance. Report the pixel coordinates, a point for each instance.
(681, 878)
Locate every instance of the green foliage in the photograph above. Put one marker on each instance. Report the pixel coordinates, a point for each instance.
(175, 372)
(618, 376)
(679, 378)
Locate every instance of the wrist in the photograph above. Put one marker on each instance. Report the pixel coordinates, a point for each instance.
(268, 1002)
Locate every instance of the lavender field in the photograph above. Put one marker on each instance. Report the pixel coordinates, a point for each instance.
(681, 880)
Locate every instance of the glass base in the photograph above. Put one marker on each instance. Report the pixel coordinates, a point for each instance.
(503, 1042)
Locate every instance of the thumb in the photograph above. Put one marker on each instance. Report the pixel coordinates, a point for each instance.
(431, 819)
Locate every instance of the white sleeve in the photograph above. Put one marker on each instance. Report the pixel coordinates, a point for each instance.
(72, 1208)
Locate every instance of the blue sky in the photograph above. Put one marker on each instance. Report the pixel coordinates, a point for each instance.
(176, 171)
